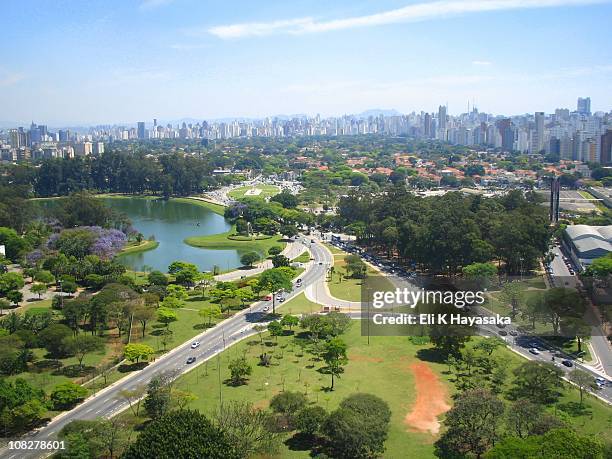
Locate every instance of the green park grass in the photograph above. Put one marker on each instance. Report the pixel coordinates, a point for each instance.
(139, 247)
(304, 257)
(381, 367)
(333, 249)
(267, 191)
(300, 305)
(347, 288)
(600, 207)
(216, 208)
(241, 243)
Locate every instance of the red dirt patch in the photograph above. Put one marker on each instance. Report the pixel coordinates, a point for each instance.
(430, 400)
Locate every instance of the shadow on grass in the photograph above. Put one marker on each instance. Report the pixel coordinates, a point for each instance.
(74, 371)
(301, 442)
(574, 409)
(431, 354)
(128, 367)
(46, 365)
(202, 326)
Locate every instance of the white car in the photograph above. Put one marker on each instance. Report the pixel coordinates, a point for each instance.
(601, 382)
(266, 309)
(534, 351)
(195, 344)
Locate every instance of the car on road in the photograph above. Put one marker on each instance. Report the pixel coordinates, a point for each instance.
(601, 382)
(190, 360)
(503, 333)
(195, 344)
(513, 332)
(567, 363)
(281, 299)
(534, 351)
(268, 297)
(265, 309)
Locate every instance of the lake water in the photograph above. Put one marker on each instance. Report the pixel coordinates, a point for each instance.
(171, 222)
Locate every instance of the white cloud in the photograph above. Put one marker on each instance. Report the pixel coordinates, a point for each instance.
(482, 63)
(412, 13)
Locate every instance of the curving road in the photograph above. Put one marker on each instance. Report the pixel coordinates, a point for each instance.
(107, 402)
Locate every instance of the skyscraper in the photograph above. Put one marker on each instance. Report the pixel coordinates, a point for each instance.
(141, 130)
(442, 122)
(537, 135)
(584, 106)
(606, 148)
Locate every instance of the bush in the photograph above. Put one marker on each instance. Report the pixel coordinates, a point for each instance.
(66, 395)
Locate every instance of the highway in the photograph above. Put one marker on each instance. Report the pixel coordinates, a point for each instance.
(107, 402)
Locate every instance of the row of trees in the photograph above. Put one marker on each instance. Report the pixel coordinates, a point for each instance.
(444, 234)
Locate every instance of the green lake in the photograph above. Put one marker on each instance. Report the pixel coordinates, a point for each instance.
(170, 222)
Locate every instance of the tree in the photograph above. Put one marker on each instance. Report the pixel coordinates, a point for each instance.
(279, 261)
(355, 266)
(239, 370)
(249, 258)
(289, 231)
(522, 416)
(136, 351)
(286, 199)
(274, 280)
(512, 293)
(481, 273)
(157, 401)
(575, 327)
(66, 395)
(289, 321)
(583, 380)
(358, 428)
(166, 316)
(334, 355)
(275, 250)
(537, 382)
(287, 403)
(275, 329)
(44, 276)
(134, 397)
(144, 314)
(9, 282)
(39, 289)
(14, 296)
(309, 420)
(249, 430)
(157, 278)
(52, 338)
(183, 433)
(562, 304)
(81, 345)
(471, 425)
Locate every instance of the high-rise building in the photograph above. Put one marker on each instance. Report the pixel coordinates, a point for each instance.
(141, 130)
(606, 148)
(442, 122)
(584, 106)
(537, 135)
(64, 135)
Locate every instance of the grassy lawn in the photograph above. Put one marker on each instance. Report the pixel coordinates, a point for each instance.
(266, 192)
(381, 368)
(139, 247)
(333, 249)
(243, 245)
(304, 257)
(346, 288)
(585, 194)
(216, 208)
(300, 305)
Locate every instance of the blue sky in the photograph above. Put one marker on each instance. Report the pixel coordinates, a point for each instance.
(111, 61)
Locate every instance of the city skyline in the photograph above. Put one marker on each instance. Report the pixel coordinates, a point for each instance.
(118, 62)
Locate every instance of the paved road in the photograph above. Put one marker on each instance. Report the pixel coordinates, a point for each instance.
(107, 402)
